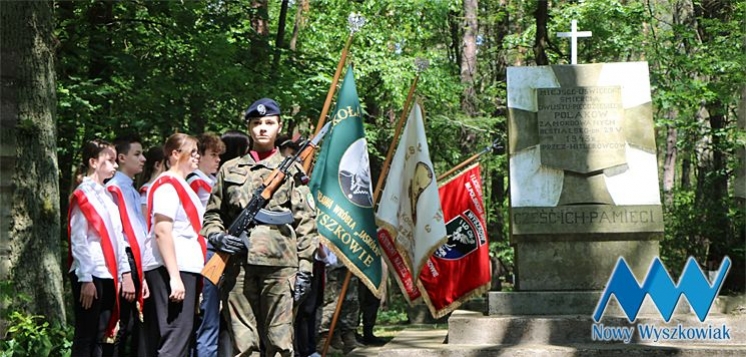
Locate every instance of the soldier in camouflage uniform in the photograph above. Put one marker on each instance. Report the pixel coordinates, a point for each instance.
(343, 337)
(261, 282)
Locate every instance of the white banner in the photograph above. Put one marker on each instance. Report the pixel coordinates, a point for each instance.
(410, 210)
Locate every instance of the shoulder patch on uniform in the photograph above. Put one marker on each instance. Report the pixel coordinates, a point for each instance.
(310, 201)
(237, 170)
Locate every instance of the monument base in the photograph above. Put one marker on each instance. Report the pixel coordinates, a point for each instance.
(465, 327)
(557, 263)
(566, 329)
(583, 303)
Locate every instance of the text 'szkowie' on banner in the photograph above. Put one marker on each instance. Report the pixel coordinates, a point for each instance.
(341, 187)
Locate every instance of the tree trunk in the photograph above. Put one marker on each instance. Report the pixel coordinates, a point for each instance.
(28, 118)
(669, 166)
(501, 29)
(716, 196)
(469, 59)
(686, 173)
(260, 17)
(541, 40)
(498, 196)
(299, 22)
(100, 16)
(740, 181)
(279, 39)
(455, 48)
(66, 129)
(260, 25)
(683, 14)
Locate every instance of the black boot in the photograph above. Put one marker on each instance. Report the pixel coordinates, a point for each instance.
(370, 339)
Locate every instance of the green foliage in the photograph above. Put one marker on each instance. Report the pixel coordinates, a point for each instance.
(155, 67)
(683, 236)
(395, 313)
(29, 335)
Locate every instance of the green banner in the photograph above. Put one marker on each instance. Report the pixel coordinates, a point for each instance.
(341, 187)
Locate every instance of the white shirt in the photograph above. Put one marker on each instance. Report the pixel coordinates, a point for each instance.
(134, 210)
(85, 242)
(203, 195)
(144, 194)
(331, 258)
(188, 251)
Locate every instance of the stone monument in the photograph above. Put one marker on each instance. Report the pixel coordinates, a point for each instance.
(583, 173)
(583, 192)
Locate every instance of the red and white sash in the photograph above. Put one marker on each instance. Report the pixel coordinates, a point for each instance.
(189, 204)
(133, 238)
(144, 189)
(197, 183)
(95, 213)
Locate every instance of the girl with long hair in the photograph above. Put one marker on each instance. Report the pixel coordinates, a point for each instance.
(98, 264)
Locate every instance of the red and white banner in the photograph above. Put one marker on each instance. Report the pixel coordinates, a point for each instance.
(460, 268)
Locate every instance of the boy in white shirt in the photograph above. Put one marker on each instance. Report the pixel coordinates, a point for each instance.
(201, 181)
(131, 161)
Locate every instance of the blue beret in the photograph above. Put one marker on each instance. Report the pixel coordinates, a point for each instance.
(262, 108)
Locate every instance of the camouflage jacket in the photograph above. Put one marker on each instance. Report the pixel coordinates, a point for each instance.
(281, 246)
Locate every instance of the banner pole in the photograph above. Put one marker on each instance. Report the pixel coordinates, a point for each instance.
(348, 276)
(394, 140)
(355, 23)
(329, 95)
(421, 65)
(493, 147)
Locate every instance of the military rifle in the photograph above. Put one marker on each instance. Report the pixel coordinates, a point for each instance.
(254, 211)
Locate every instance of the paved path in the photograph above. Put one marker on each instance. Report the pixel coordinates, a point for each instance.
(406, 339)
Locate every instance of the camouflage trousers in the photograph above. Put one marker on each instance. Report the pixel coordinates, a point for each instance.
(349, 316)
(259, 304)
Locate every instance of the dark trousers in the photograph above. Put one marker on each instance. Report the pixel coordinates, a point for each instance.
(225, 346)
(170, 325)
(208, 331)
(368, 307)
(305, 321)
(130, 326)
(90, 323)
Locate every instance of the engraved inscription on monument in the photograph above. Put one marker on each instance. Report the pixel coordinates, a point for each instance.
(580, 128)
(587, 219)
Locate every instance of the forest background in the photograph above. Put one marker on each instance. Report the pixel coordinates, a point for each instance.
(157, 67)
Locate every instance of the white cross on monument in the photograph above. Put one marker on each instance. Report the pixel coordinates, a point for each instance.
(573, 35)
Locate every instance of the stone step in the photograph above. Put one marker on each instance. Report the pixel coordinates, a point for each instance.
(431, 343)
(584, 303)
(466, 327)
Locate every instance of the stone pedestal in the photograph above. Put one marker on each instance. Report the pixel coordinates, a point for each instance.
(558, 264)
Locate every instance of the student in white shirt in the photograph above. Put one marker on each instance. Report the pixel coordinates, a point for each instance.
(99, 269)
(201, 181)
(175, 218)
(130, 159)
